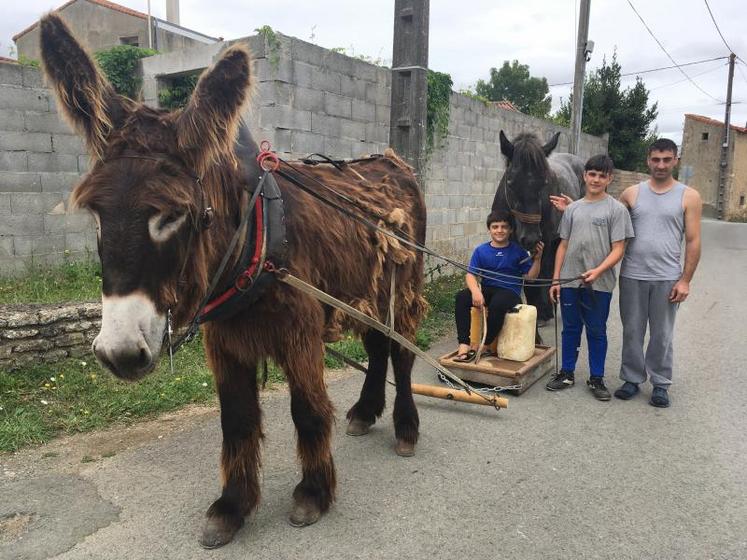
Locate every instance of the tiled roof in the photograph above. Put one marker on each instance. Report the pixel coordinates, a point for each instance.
(506, 105)
(104, 3)
(714, 122)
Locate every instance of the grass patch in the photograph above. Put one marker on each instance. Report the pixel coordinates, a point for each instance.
(70, 281)
(46, 400)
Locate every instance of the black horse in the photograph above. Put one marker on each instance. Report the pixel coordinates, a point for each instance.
(531, 176)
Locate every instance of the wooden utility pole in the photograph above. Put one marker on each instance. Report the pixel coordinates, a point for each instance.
(724, 163)
(408, 116)
(583, 50)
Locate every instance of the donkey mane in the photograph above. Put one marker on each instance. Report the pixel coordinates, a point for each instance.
(529, 154)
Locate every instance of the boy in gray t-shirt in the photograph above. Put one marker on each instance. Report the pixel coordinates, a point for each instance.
(592, 241)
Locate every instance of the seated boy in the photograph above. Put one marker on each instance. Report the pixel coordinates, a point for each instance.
(592, 241)
(496, 261)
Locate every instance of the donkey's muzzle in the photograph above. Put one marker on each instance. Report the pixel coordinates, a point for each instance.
(129, 363)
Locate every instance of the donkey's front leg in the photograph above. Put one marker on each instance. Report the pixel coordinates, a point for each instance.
(313, 415)
(241, 421)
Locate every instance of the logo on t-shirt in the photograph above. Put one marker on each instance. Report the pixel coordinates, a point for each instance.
(599, 221)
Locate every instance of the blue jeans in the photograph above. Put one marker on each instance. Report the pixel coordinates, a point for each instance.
(579, 310)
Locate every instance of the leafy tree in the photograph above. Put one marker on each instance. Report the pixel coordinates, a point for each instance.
(624, 114)
(120, 64)
(513, 82)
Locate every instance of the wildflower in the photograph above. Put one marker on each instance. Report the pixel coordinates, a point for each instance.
(84, 364)
(177, 379)
(47, 385)
(43, 402)
(53, 378)
(62, 375)
(86, 412)
(93, 376)
(204, 384)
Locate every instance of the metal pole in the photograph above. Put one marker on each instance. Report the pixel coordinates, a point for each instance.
(579, 75)
(150, 34)
(724, 163)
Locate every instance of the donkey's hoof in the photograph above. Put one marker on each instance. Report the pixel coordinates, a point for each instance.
(358, 427)
(304, 513)
(219, 531)
(404, 448)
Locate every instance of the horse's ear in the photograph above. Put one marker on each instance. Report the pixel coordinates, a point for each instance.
(552, 144)
(507, 148)
(85, 97)
(206, 129)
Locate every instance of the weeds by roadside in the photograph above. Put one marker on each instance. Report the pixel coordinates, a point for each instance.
(70, 281)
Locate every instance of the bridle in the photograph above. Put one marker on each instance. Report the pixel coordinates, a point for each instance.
(520, 216)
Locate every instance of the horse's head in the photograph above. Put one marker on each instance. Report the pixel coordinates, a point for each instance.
(523, 190)
(144, 188)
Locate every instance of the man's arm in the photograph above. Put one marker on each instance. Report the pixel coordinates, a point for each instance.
(559, 257)
(693, 211)
(628, 196)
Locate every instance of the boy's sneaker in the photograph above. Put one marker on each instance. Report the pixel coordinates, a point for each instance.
(598, 389)
(562, 380)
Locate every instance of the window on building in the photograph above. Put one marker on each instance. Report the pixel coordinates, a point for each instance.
(741, 200)
(132, 41)
(704, 136)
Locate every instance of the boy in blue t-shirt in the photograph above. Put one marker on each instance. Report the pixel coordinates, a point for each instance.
(500, 293)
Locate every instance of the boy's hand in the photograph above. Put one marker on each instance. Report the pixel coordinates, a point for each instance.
(590, 275)
(538, 248)
(477, 299)
(560, 202)
(555, 293)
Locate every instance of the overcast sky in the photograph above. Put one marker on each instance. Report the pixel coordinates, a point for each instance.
(467, 38)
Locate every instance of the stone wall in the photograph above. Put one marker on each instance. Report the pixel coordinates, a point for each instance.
(40, 160)
(464, 169)
(48, 333)
(621, 180)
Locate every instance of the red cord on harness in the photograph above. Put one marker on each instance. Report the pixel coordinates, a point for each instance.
(266, 158)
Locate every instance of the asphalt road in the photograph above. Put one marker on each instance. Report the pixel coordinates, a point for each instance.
(556, 475)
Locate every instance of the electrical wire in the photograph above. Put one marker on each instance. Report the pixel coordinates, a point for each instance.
(694, 76)
(713, 19)
(656, 69)
(669, 55)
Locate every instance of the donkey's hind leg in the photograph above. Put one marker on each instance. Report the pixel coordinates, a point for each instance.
(363, 414)
(241, 421)
(313, 415)
(406, 420)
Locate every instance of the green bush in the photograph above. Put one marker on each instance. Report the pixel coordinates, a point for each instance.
(176, 95)
(120, 64)
(439, 93)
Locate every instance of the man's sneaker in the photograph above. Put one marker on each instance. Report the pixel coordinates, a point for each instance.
(562, 380)
(600, 392)
(627, 391)
(659, 398)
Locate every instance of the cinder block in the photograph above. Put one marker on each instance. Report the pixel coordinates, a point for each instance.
(338, 105)
(274, 93)
(31, 141)
(20, 182)
(54, 162)
(80, 242)
(6, 250)
(378, 93)
(307, 99)
(13, 266)
(383, 114)
(285, 117)
(377, 132)
(337, 147)
(279, 68)
(353, 87)
(363, 111)
(303, 72)
(44, 121)
(54, 223)
(5, 204)
(365, 70)
(456, 230)
(22, 225)
(83, 163)
(326, 80)
(25, 246)
(80, 221)
(11, 74)
(58, 182)
(26, 204)
(67, 144)
(306, 142)
(352, 129)
(14, 161)
(24, 99)
(11, 120)
(32, 77)
(325, 125)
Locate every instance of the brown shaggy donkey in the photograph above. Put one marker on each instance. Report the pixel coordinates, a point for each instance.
(157, 255)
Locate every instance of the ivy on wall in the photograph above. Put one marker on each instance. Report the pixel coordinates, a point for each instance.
(120, 64)
(439, 92)
(272, 43)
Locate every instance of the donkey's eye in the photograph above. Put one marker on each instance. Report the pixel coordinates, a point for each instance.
(163, 226)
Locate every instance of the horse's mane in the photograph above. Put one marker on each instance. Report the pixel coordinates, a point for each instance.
(529, 154)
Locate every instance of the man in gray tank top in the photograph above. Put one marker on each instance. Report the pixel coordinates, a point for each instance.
(653, 281)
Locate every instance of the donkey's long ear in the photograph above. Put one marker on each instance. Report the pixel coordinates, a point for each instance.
(507, 148)
(552, 144)
(206, 129)
(86, 99)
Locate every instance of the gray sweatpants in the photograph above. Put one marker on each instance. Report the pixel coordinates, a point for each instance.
(645, 302)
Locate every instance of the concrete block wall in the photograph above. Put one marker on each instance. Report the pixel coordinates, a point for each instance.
(621, 180)
(40, 161)
(464, 170)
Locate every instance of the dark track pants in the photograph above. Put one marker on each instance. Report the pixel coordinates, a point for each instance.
(580, 310)
(498, 300)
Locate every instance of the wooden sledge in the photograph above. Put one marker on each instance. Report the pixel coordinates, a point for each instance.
(497, 372)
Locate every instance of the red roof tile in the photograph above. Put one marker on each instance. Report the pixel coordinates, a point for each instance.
(104, 3)
(714, 122)
(505, 104)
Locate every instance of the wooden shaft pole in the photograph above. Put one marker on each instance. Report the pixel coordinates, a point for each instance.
(457, 395)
